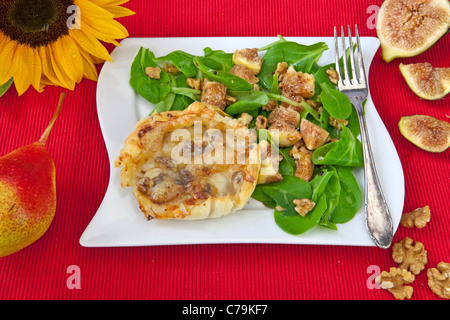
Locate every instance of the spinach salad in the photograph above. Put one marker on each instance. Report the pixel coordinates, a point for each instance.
(332, 187)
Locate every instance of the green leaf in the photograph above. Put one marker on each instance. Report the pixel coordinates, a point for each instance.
(258, 194)
(231, 81)
(218, 59)
(182, 101)
(183, 61)
(167, 103)
(349, 198)
(293, 223)
(319, 183)
(347, 151)
(335, 102)
(301, 57)
(246, 101)
(287, 166)
(153, 90)
(4, 87)
(284, 192)
(332, 193)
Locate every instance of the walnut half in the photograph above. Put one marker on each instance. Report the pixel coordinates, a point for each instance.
(394, 281)
(439, 279)
(303, 206)
(410, 255)
(417, 218)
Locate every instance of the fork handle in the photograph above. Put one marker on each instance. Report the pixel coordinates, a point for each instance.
(377, 215)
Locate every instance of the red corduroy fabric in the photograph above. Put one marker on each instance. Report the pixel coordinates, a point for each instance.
(237, 271)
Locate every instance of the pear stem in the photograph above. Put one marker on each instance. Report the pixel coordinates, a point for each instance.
(44, 136)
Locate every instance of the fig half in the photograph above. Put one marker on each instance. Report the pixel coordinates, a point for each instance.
(426, 132)
(407, 28)
(425, 81)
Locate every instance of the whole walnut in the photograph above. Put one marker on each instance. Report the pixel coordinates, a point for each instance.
(410, 255)
(394, 281)
(439, 279)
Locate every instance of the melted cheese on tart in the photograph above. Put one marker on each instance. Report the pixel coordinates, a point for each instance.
(193, 164)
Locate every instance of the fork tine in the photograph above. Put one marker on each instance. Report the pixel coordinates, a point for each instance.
(362, 72)
(352, 60)
(344, 58)
(336, 56)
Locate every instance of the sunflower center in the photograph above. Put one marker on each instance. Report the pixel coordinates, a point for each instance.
(32, 19)
(34, 22)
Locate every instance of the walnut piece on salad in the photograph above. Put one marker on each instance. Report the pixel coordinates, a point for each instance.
(303, 206)
(153, 72)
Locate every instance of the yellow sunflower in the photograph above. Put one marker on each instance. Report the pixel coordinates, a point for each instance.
(56, 42)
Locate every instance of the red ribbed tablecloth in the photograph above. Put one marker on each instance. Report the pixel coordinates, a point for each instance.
(236, 271)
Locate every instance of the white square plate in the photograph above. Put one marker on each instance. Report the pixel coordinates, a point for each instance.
(119, 222)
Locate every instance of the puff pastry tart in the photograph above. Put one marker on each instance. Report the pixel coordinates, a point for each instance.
(193, 164)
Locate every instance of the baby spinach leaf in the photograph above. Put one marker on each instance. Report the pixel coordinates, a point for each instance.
(293, 223)
(182, 101)
(301, 57)
(287, 166)
(274, 88)
(218, 59)
(183, 61)
(347, 151)
(323, 121)
(267, 47)
(231, 81)
(349, 198)
(335, 102)
(284, 192)
(246, 101)
(353, 123)
(258, 194)
(153, 90)
(319, 183)
(321, 77)
(167, 103)
(332, 192)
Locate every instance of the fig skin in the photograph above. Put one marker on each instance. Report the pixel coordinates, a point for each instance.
(409, 28)
(426, 132)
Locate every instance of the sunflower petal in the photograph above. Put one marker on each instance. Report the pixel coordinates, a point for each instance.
(37, 71)
(65, 80)
(89, 44)
(119, 12)
(24, 57)
(6, 57)
(47, 67)
(69, 58)
(90, 72)
(93, 9)
(109, 2)
(105, 29)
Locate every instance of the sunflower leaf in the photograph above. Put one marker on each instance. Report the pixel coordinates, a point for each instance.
(4, 87)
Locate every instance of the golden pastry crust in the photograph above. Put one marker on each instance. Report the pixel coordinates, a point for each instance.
(174, 175)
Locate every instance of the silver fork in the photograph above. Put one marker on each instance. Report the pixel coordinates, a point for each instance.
(377, 215)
